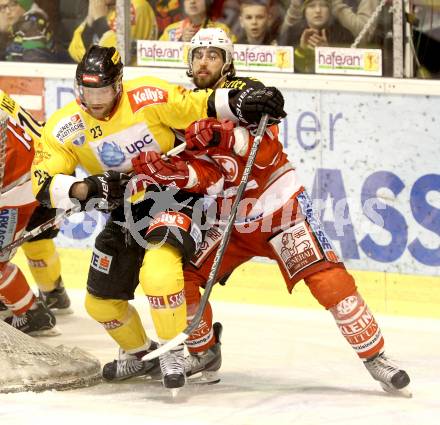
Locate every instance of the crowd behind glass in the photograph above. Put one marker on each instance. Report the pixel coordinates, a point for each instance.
(61, 30)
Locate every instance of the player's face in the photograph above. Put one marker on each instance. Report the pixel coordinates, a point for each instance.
(317, 13)
(11, 11)
(254, 20)
(100, 101)
(207, 66)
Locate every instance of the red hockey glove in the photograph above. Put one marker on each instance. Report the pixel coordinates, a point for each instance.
(210, 132)
(172, 171)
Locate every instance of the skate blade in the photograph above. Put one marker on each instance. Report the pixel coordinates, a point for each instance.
(61, 311)
(404, 392)
(204, 378)
(55, 331)
(174, 392)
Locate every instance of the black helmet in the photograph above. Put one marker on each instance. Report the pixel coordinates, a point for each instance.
(99, 67)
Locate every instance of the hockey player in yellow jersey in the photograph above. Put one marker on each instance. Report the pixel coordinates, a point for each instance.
(110, 124)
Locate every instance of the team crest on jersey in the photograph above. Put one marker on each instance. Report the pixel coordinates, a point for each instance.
(146, 96)
(229, 166)
(68, 126)
(40, 154)
(79, 141)
(296, 248)
(111, 154)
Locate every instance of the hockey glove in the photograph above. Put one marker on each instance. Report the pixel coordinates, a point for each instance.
(251, 104)
(167, 172)
(107, 188)
(210, 132)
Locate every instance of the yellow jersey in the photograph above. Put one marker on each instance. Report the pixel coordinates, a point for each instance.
(143, 27)
(142, 120)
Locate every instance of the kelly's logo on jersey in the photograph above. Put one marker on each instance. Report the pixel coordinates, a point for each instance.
(146, 96)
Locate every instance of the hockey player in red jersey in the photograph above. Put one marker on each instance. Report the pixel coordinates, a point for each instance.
(17, 204)
(17, 200)
(276, 220)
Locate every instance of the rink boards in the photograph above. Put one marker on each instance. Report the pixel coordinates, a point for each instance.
(262, 283)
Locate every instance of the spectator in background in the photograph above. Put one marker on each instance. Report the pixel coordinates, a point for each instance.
(197, 15)
(232, 9)
(167, 12)
(100, 25)
(316, 28)
(351, 14)
(28, 36)
(255, 23)
(4, 35)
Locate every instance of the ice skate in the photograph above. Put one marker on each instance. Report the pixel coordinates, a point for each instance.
(172, 365)
(131, 365)
(35, 322)
(57, 300)
(4, 311)
(202, 368)
(392, 379)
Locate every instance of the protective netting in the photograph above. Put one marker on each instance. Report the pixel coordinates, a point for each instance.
(27, 364)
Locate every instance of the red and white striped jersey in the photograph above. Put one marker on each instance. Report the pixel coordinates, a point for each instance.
(16, 185)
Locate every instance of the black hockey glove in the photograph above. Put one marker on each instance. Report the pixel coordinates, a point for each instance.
(249, 105)
(107, 189)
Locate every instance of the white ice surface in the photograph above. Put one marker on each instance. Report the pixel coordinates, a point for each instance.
(280, 366)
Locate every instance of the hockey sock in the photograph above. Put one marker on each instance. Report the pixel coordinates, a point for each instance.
(161, 277)
(203, 337)
(120, 320)
(335, 289)
(358, 325)
(44, 263)
(14, 289)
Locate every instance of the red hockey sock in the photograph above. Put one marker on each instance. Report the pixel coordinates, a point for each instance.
(14, 289)
(358, 325)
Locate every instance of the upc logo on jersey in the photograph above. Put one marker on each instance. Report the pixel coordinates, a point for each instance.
(146, 96)
(101, 261)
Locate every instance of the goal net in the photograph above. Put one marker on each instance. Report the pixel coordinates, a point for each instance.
(27, 364)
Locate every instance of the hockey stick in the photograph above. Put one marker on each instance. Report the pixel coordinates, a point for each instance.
(183, 336)
(39, 229)
(175, 151)
(63, 215)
